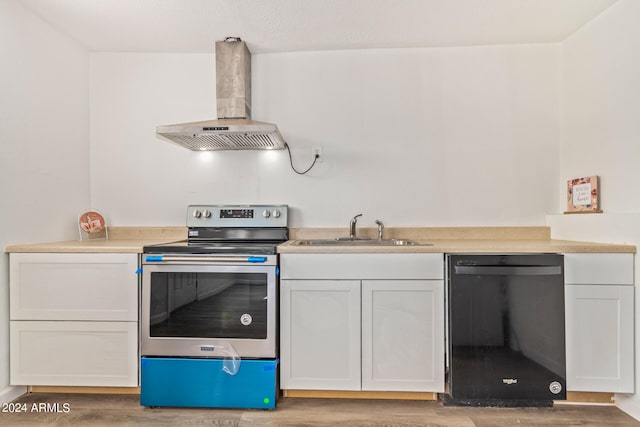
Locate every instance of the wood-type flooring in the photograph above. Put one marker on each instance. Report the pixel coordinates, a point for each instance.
(125, 410)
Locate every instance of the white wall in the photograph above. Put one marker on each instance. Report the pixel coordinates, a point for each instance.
(601, 115)
(601, 132)
(44, 173)
(432, 137)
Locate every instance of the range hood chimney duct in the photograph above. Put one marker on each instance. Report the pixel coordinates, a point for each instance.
(233, 79)
(234, 129)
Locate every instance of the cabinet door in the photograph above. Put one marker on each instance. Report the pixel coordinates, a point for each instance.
(74, 353)
(320, 334)
(600, 338)
(60, 286)
(403, 335)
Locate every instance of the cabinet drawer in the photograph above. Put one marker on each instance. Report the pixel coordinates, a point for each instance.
(599, 269)
(362, 266)
(74, 353)
(74, 287)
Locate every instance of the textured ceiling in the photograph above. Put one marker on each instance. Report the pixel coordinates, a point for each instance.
(305, 25)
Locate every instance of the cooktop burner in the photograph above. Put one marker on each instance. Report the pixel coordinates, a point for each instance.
(262, 248)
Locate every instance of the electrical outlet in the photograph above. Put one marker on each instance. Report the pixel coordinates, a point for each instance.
(317, 151)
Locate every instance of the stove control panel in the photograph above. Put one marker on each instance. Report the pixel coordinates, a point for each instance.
(237, 216)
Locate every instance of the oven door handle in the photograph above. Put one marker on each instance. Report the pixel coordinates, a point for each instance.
(204, 259)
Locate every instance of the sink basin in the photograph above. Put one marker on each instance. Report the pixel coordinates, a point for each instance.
(359, 242)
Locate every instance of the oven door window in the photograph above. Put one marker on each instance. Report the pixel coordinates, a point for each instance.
(208, 305)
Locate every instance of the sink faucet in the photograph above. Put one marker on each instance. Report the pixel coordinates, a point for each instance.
(352, 226)
(380, 228)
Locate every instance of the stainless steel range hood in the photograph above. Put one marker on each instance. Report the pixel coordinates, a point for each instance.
(234, 129)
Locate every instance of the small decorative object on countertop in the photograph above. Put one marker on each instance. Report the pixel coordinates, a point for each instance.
(583, 195)
(92, 225)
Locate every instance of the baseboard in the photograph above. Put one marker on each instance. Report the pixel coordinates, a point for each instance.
(345, 394)
(87, 390)
(590, 397)
(628, 405)
(10, 393)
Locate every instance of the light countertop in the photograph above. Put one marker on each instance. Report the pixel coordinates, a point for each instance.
(450, 240)
(121, 240)
(439, 240)
(464, 246)
(87, 246)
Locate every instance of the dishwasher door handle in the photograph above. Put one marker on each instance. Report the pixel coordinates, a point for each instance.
(509, 270)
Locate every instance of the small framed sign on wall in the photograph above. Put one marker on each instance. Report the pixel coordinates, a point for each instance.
(583, 195)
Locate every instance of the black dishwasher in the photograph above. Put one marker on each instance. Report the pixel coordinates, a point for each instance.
(506, 335)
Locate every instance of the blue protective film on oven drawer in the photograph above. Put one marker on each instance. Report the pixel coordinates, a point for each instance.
(193, 382)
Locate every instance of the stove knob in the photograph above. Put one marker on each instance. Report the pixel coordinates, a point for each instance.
(206, 213)
(197, 213)
(266, 213)
(276, 213)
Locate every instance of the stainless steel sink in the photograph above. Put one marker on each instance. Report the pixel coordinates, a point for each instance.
(359, 242)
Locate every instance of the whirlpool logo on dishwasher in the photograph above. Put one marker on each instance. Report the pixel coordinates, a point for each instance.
(510, 381)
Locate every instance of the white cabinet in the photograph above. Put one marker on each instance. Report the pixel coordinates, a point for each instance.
(401, 323)
(73, 319)
(362, 322)
(74, 353)
(599, 299)
(320, 328)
